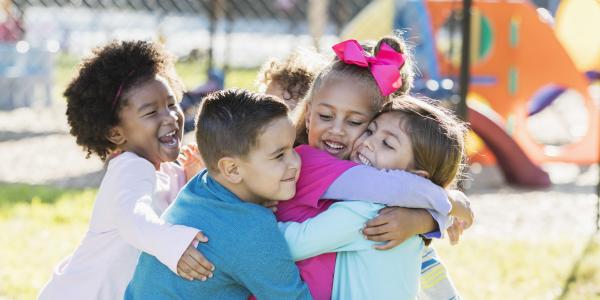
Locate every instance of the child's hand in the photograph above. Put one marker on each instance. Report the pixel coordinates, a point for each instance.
(190, 160)
(455, 231)
(461, 209)
(192, 264)
(396, 224)
(272, 205)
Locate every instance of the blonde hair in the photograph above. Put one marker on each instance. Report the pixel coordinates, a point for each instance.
(437, 137)
(338, 70)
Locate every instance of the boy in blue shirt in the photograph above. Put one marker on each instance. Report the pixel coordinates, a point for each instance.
(246, 141)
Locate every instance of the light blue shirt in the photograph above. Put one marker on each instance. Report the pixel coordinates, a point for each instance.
(361, 271)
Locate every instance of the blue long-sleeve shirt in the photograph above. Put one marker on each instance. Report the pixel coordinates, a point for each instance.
(245, 245)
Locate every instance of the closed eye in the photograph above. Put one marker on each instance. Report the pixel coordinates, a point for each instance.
(387, 145)
(325, 117)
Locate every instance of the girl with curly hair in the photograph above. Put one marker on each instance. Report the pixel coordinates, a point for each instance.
(123, 107)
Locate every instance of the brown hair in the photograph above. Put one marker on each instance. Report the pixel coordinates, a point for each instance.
(294, 74)
(338, 71)
(229, 123)
(117, 66)
(437, 137)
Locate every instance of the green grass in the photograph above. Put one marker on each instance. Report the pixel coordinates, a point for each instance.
(41, 225)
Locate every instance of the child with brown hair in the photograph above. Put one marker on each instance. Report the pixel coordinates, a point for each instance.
(290, 79)
(408, 134)
(343, 99)
(246, 140)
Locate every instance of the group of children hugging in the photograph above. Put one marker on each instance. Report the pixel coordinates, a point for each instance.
(329, 185)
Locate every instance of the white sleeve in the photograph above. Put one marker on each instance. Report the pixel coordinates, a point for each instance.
(137, 222)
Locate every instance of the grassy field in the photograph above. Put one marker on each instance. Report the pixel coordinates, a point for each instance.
(41, 225)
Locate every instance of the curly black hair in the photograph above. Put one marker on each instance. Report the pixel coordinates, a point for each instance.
(90, 95)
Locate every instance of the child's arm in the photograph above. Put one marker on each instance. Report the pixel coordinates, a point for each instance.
(139, 225)
(389, 187)
(334, 230)
(398, 188)
(394, 225)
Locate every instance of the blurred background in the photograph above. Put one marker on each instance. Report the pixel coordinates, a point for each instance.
(525, 74)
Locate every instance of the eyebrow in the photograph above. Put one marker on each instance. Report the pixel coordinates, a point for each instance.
(352, 111)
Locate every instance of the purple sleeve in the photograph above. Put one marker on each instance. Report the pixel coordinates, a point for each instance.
(442, 220)
(394, 188)
(389, 187)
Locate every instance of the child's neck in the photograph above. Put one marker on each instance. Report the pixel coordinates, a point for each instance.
(238, 190)
(126, 149)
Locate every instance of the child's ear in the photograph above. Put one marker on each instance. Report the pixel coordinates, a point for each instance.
(421, 173)
(230, 170)
(115, 136)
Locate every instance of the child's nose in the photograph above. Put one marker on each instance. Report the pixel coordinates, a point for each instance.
(337, 127)
(368, 143)
(295, 161)
(171, 117)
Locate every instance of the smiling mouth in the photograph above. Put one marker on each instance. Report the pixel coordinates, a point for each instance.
(334, 147)
(170, 139)
(364, 160)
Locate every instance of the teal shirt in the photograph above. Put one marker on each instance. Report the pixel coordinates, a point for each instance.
(248, 251)
(361, 272)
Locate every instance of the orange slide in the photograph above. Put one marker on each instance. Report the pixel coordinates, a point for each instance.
(515, 55)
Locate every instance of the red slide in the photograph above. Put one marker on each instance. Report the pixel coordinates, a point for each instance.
(518, 169)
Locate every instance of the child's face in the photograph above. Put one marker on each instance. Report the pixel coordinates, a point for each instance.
(151, 122)
(277, 90)
(336, 117)
(270, 170)
(385, 144)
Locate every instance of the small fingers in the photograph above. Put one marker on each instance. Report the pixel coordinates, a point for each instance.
(389, 245)
(201, 237)
(454, 234)
(377, 230)
(377, 221)
(201, 263)
(386, 210)
(192, 269)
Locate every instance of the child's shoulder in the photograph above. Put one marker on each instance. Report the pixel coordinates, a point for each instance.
(131, 164)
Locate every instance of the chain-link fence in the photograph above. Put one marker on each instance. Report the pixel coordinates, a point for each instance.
(238, 33)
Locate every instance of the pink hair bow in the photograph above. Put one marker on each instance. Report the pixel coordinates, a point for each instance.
(384, 66)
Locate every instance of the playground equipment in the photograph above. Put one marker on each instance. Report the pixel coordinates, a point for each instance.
(518, 68)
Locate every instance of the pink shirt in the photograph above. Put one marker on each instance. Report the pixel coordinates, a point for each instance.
(319, 170)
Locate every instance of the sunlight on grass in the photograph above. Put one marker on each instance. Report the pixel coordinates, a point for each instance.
(42, 225)
(37, 232)
(585, 283)
(510, 269)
